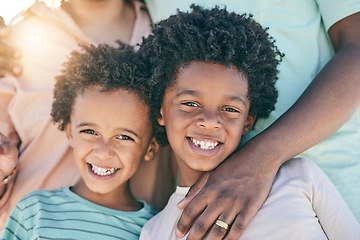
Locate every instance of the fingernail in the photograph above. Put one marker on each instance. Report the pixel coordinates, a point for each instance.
(178, 233)
(17, 70)
(180, 205)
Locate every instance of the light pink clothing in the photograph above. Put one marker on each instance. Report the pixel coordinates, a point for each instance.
(45, 38)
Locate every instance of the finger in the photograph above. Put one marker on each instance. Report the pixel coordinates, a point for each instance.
(204, 222)
(7, 65)
(190, 213)
(194, 190)
(7, 51)
(239, 225)
(221, 225)
(7, 60)
(16, 70)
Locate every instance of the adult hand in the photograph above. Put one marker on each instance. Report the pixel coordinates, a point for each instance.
(8, 54)
(233, 193)
(8, 156)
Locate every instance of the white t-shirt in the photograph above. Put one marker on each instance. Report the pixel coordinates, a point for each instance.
(302, 204)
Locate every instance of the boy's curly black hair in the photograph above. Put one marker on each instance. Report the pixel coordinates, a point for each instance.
(110, 68)
(214, 36)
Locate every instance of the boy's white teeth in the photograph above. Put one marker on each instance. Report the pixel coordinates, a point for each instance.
(102, 171)
(206, 145)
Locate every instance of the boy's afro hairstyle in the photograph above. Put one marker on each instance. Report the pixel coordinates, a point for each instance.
(104, 66)
(214, 36)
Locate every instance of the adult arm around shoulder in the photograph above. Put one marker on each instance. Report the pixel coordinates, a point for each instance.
(235, 190)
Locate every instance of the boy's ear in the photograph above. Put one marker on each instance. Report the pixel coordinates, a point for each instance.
(153, 150)
(161, 119)
(69, 134)
(249, 124)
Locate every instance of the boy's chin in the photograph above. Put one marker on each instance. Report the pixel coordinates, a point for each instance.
(204, 167)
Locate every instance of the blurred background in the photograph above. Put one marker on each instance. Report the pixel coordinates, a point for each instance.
(9, 8)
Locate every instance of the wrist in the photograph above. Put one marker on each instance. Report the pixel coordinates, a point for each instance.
(263, 153)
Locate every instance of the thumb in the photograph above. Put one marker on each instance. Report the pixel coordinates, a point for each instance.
(194, 190)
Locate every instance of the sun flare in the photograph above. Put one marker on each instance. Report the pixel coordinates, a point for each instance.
(10, 8)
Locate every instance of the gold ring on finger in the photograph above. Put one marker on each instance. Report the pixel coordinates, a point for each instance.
(222, 224)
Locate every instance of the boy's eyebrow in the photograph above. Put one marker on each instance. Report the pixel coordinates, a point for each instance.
(129, 131)
(187, 92)
(195, 93)
(84, 124)
(237, 98)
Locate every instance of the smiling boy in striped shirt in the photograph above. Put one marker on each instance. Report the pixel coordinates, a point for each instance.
(102, 103)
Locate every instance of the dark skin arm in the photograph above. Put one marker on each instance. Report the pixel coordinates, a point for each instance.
(236, 190)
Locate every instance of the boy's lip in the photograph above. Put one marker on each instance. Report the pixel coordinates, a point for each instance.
(205, 143)
(204, 146)
(101, 171)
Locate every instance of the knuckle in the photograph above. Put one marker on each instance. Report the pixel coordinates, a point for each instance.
(187, 211)
(237, 226)
(181, 226)
(219, 231)
(199, 227)
(203, 195)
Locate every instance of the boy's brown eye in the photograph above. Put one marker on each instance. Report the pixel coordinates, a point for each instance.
(228, 109)
(190, 104)
(88, 131)
(125, 137)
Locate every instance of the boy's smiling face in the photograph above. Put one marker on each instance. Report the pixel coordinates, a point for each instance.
(205, 112)
(110, 135)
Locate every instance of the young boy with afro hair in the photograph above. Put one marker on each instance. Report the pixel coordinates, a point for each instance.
(213, 74)
(102, 102)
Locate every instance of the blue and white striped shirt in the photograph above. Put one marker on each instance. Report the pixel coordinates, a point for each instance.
(61, 214)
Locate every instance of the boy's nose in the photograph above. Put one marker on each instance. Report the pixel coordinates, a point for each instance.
(209, 120)
(104, 150)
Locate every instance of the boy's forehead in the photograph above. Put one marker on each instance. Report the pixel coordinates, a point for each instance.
(208, 69)
(201, 79)
(95, 95)
(118, 109)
